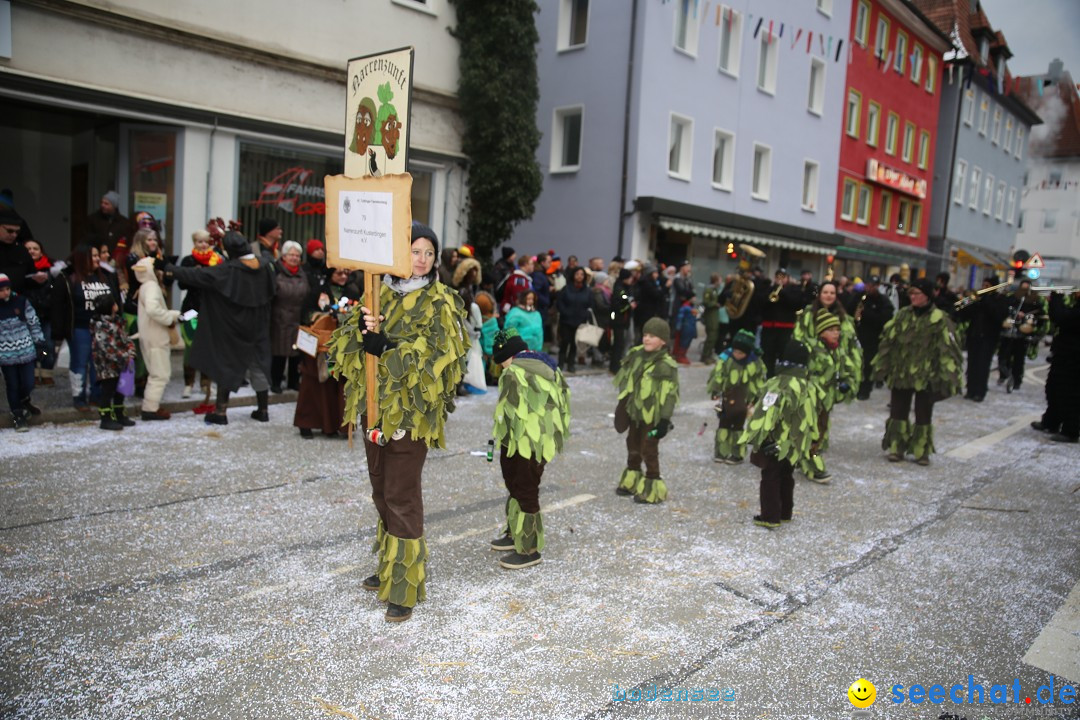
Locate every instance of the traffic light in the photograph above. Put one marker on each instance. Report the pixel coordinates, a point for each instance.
(731, 251)
(1019, 258)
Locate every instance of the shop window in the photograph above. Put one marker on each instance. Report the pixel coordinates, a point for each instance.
(152, 180)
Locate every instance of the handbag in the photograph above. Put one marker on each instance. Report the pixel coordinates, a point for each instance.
(126, 384)
(589, 333)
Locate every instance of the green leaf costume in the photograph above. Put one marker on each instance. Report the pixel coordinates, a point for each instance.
(846, 364)
(650, 384)
(532, 416)
(527, 529)
(786, 415)
(419, 376)
(919, 352)
(401, 568)
(738, 384)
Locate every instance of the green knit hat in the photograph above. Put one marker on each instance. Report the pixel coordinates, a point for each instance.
(825, 320)
(658, 327)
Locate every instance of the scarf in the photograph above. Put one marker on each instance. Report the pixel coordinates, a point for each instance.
(209, 258)
(292, 270)
(42, 263)
(404, 286)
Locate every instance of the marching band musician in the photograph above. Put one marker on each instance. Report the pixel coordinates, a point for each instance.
(871, 314)
(778, 321)
(984, 317)
(1062, 416)
(1022, 327)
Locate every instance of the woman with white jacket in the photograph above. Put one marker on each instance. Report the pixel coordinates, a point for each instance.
(155, 321)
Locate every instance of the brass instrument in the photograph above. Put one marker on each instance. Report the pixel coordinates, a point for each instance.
(859, 308)
(774, 296)
(739, 300)
(1055, 288)
(977, 295)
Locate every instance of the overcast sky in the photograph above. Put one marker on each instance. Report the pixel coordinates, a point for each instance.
(1037, 32)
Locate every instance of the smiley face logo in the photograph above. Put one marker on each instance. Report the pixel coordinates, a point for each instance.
(862, 693)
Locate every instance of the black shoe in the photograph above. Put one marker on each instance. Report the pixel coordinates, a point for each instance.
(503, 544)
(158, 414)
(22, 422)
(216, 419)
(260, 415)
(306, 433)
(31, 407)
(762, 522)
(623, 491)
(1058, 437)
(924, 460)
(862, 396)
(108, 423)
(122, 417)
(516, 561)
(821, 477)
(398, 613)
(1001, 380)
(978, 398)
(276, 389)
(371, 583)
(1038, 425)
(969, 396)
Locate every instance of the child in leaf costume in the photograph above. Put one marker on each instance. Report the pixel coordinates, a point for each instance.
(782, 429)
(919, 358)
(422, 348)
(648, 386)
(736, 381)
(850, 352)
(532, 420)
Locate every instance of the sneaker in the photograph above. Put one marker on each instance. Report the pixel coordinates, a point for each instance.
(720, 460)
(260, 415)
(22, 423)
(516, 561)
(503, 544)
(31, 407)
(762, 522)
(924, 461)
(397, 613)
(371, 583)
(1061, 437)
(1038, 425)
(821, 478)
(735, 460)
(894, 457)
(159, 414)
(187, 392)
(216, 419)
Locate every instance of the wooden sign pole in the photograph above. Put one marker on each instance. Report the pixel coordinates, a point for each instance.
(372, 289)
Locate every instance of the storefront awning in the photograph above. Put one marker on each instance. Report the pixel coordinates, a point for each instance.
(968, 255)
(741, 236)
(876, 247)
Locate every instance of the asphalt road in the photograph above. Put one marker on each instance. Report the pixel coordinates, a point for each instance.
(174, 571)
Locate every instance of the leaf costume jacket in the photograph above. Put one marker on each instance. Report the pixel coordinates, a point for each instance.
(919, 351)
(786, 416)
(649, 383)
(829, 369)
(532, 416)
(738, 384)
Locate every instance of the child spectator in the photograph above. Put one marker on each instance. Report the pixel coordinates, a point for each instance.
(525, 317)
(21, 340)
(782, 429)
(648, 387)
(527, 443)
(112, 351)
(685, 329)
(157, 325)
(736, 382)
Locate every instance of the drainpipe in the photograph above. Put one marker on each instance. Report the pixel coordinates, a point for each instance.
(626, 125)
(210, 167)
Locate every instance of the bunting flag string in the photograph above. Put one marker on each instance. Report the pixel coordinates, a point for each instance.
(839, 47)
(796, 40)
(758, 28)
(809, 40)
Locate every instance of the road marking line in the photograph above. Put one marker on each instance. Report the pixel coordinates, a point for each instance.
(976, 446)
(1030, 376)
(1057, 648)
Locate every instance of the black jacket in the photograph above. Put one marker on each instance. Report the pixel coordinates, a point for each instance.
(877, 311)
(652, 299)
(15, 262)
(573, 305)
(72, 300)
(984, 318)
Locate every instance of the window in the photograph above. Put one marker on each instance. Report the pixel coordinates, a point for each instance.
(680, 146)
(916, 64)
(730, 41)
(423, 6)
(988, 193)
(931, 74)
(810, 186)
(892, 127)
(984, 49)
(862, 212)
(984, 115)
(873, 123)
(566, 139)
(573, 23)
(999, 200)
(996, 136)
(1053, 178)
(723, 169)
(759, 190)
(903, 215)
(958, 182)
(686, 26)
(900, 59)
(816, 99)
(1049, 220)
(884, 209)
(1019, 142)
(862, 22)
(969, 107)
(909, 141)
(973, 194)
(768, 57)
(854, 110)
(881, 39)
(915, 220)
(924, 148)
(1010, 213)
(1008, 134)
(825, 7)
(847, 200)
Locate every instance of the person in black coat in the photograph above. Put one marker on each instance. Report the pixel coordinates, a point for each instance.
(652, 298)
(573, 303)
(1062, 416)
(984, 317)
(871, 312)
(15, 261)
(784, 301)
(623, 304)
(233, 337)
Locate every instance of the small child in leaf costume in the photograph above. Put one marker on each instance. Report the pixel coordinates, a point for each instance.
(422, 348)
(919, 358)
(782, 429)
(736, 381)
(648, 386)
(532, 420)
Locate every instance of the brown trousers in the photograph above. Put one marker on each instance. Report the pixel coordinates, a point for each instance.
(900, 405)
(395, 471)
(522, 478)
(777, 489)
(639, 446)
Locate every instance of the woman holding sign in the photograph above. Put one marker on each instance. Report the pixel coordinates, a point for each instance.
(422, 348)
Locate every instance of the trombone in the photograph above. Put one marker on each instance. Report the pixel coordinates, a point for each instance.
(1055, 289)
(969, 299)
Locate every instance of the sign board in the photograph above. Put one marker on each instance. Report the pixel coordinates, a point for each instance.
(1034, 273)
(895, 179)
(1036, 262)
(369, 223)
(377, 104)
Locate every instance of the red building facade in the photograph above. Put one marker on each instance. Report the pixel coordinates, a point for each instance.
(890, 122)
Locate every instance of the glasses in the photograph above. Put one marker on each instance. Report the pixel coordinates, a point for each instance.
(12, 229)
